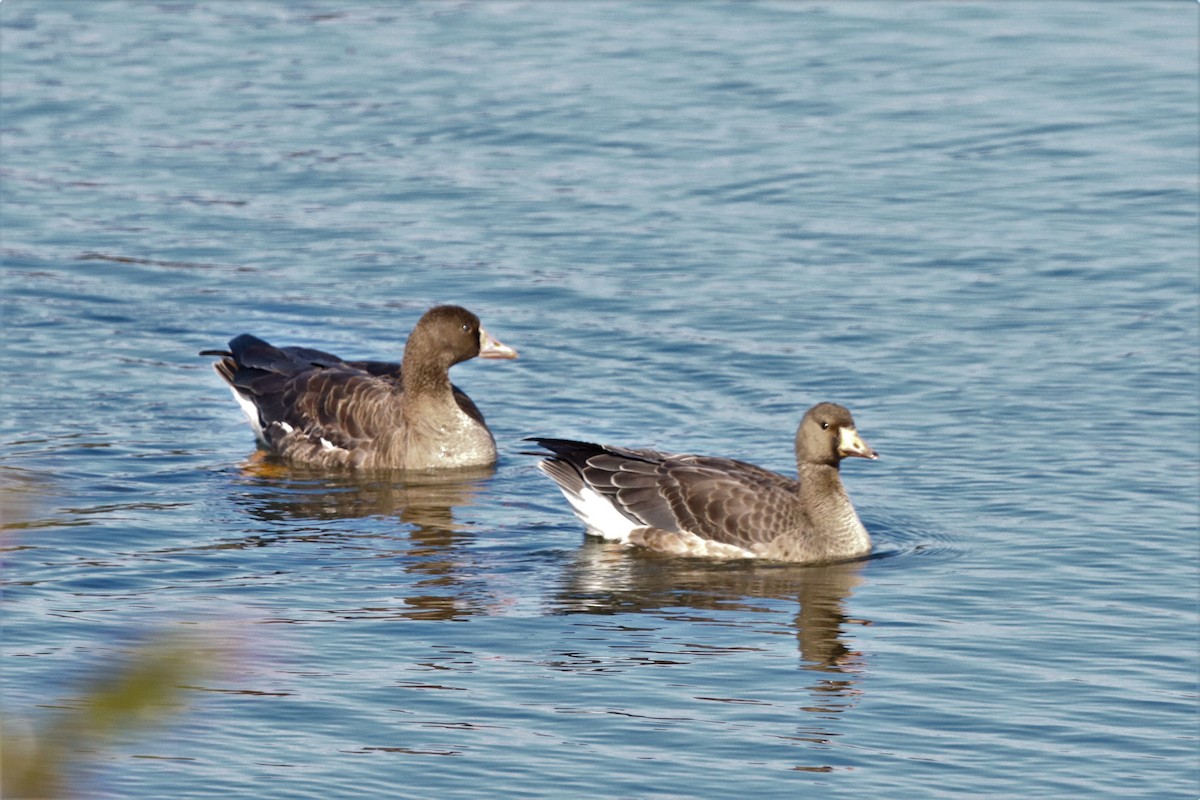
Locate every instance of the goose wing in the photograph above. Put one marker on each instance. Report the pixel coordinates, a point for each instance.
(303, 393)
(717, 499)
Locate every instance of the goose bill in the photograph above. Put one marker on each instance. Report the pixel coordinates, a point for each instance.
(851, 444)
(491, 347)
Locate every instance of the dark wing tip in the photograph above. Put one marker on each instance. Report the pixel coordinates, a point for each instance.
(237, 345)
(551, 447)
(563, 447)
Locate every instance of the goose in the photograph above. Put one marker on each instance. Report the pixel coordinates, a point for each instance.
(311, 407)
(703, 506)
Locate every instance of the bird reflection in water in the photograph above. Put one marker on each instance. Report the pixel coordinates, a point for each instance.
(283, 494)
(611, 579)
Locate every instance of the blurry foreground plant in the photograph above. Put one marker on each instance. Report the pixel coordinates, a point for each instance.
(146, 688)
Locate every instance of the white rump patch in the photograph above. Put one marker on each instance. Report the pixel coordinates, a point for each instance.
(251, 412)
(601, 517)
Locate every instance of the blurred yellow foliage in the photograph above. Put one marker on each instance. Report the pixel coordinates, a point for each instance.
(151, 684)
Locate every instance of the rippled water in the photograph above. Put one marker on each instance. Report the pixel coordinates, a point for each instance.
(973, 224)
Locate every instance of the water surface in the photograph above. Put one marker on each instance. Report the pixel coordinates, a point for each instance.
(973, 224)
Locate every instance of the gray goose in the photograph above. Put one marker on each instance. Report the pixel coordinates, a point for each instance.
(717, 507)
(312, 407)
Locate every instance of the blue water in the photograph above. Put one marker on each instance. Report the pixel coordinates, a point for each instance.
(973, 224)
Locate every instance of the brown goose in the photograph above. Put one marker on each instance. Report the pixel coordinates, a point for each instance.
(310, 406)
(718, 507)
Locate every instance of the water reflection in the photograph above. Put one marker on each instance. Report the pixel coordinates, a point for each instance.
(285, 493)
(298, 503)
(23, 496)
(610, 579)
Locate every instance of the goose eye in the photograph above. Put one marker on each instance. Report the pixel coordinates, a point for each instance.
(824, 426)
(466, 327)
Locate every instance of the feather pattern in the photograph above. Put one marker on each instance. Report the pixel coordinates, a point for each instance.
(310, 406)
(719, 507)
